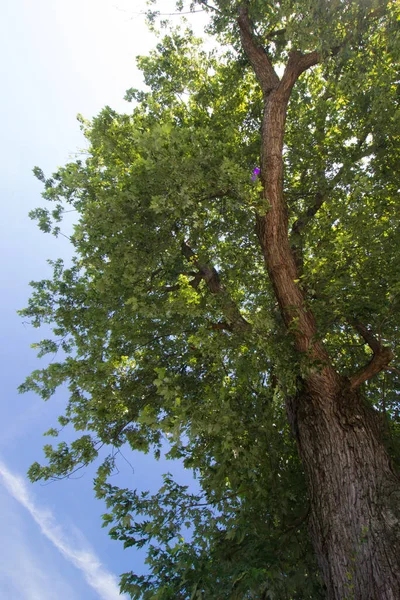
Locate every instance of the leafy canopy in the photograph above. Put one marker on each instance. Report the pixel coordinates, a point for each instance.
(167, 323)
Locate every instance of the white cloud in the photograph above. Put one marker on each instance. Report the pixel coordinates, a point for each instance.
(25, 570)
(84, 559)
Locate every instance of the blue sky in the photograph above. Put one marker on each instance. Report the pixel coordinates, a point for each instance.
(60, 58)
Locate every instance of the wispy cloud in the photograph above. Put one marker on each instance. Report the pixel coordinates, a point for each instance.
(26, 571)
(84, 559)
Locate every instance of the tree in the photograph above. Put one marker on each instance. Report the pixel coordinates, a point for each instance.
(239, 308)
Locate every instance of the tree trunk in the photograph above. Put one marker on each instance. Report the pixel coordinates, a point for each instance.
(354, 493)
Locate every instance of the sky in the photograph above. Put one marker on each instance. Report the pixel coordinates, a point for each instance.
(60, 58)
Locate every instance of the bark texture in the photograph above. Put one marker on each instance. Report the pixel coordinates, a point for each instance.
(354, 493)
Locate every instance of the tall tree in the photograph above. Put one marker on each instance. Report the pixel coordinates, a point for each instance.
(238, 308)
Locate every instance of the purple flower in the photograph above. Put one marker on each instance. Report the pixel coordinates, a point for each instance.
(256, 173)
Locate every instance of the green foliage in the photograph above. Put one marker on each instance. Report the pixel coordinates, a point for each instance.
(151, 355)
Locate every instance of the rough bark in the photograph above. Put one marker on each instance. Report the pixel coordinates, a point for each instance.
(354, 493)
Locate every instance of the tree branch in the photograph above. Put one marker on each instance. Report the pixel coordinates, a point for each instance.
(321, 195)
(236, 322)
(275, 33)
(256, 54)
(367, 335)
(209, 6)
(380, 360)
(296, 65)
(304, 219)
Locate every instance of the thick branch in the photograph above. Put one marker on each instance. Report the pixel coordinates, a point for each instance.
(274, 33)
(272, 228)
(256, 54)
(381, 359)
(367, 335)
(210, 275)
(296, 65)
(378, 363)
